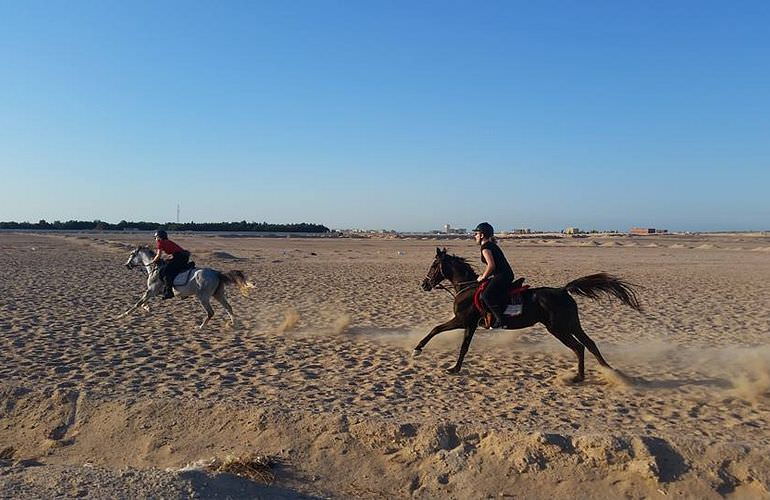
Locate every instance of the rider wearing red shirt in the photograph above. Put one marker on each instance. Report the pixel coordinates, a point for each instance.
(176, 259)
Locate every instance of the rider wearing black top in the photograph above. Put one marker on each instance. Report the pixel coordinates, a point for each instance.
(498, 271)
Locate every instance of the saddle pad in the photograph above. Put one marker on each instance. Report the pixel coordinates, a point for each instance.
(183, 277)
(515, 301)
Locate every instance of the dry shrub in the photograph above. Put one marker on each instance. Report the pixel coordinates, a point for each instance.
(255, 467)
(7, 453)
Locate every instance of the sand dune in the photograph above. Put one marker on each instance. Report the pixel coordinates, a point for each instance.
(319, 372)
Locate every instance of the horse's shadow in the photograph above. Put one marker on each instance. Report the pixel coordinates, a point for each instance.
(678, 383)
(630, 381)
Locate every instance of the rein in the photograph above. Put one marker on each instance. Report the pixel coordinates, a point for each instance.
(450, 291)
(149, 266)
(464, 286)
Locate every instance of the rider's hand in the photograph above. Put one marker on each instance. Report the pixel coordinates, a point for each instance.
(480, 279)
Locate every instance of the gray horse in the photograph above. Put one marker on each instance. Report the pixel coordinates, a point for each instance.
(204, 283)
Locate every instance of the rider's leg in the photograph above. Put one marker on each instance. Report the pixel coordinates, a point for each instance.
(168, 288)
(491, 297)
(493, 308)
(168, 280)
(176, 264)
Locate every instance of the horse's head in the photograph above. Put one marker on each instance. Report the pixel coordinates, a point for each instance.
(135, 258)
(436, 272)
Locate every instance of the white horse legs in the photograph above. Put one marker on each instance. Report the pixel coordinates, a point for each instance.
(209, 311)
(220, 296)
(141, 302)
(204, 295)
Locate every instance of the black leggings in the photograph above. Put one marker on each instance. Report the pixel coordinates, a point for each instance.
(176, 264)
(497, 289)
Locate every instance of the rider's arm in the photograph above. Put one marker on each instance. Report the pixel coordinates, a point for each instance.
(157, 256)
(490, 264)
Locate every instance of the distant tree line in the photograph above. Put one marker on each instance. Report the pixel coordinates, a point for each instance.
(98, 225)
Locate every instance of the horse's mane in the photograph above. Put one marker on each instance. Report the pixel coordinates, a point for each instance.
(461, 263)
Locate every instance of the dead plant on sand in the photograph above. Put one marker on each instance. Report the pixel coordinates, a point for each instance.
(255, 467)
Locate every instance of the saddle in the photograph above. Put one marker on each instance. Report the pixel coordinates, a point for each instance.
(184, 276)
(514, 306)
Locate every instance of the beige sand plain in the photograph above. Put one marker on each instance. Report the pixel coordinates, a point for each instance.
(319, 373)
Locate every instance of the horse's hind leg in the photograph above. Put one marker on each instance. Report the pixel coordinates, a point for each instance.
(220, 296)
(566, 338)
(209, 311)
(590, 345)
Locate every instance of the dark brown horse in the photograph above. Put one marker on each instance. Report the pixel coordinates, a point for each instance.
(553, 307)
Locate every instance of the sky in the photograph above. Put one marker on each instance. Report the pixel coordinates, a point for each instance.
(390, 114)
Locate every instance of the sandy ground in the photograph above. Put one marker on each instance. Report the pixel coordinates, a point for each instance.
(318, 372)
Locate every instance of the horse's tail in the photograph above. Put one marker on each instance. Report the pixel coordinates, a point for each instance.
(594, 285)
(236, 278)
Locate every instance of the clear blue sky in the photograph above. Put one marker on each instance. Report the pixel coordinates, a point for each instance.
(392, 114)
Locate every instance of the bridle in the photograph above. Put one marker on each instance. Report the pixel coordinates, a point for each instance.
(131, 264)
(447, 289)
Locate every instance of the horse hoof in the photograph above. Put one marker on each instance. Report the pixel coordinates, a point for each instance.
(416, 353)
(577, 379)
(453, 371)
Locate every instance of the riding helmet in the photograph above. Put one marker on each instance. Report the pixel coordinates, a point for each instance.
(161, 234)
(485, 228)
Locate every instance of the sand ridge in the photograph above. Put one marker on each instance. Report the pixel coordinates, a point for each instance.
(693, 365)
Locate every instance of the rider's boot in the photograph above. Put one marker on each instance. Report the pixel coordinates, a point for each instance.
(168, 291)
(497, 321)
(497, 312)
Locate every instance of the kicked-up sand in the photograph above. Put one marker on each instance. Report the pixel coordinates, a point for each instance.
(318, 374)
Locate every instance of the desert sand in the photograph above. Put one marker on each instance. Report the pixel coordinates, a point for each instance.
(318, 373)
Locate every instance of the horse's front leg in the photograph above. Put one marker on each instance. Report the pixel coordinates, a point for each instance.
(469, 331)
(452, 324)
(141, 302)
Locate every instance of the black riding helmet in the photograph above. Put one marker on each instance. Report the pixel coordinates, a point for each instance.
(485, 228)
(161, 234)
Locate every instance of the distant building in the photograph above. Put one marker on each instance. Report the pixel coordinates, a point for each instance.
(572, 230)
(647, 230)
(522, 230)
(448, 229)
